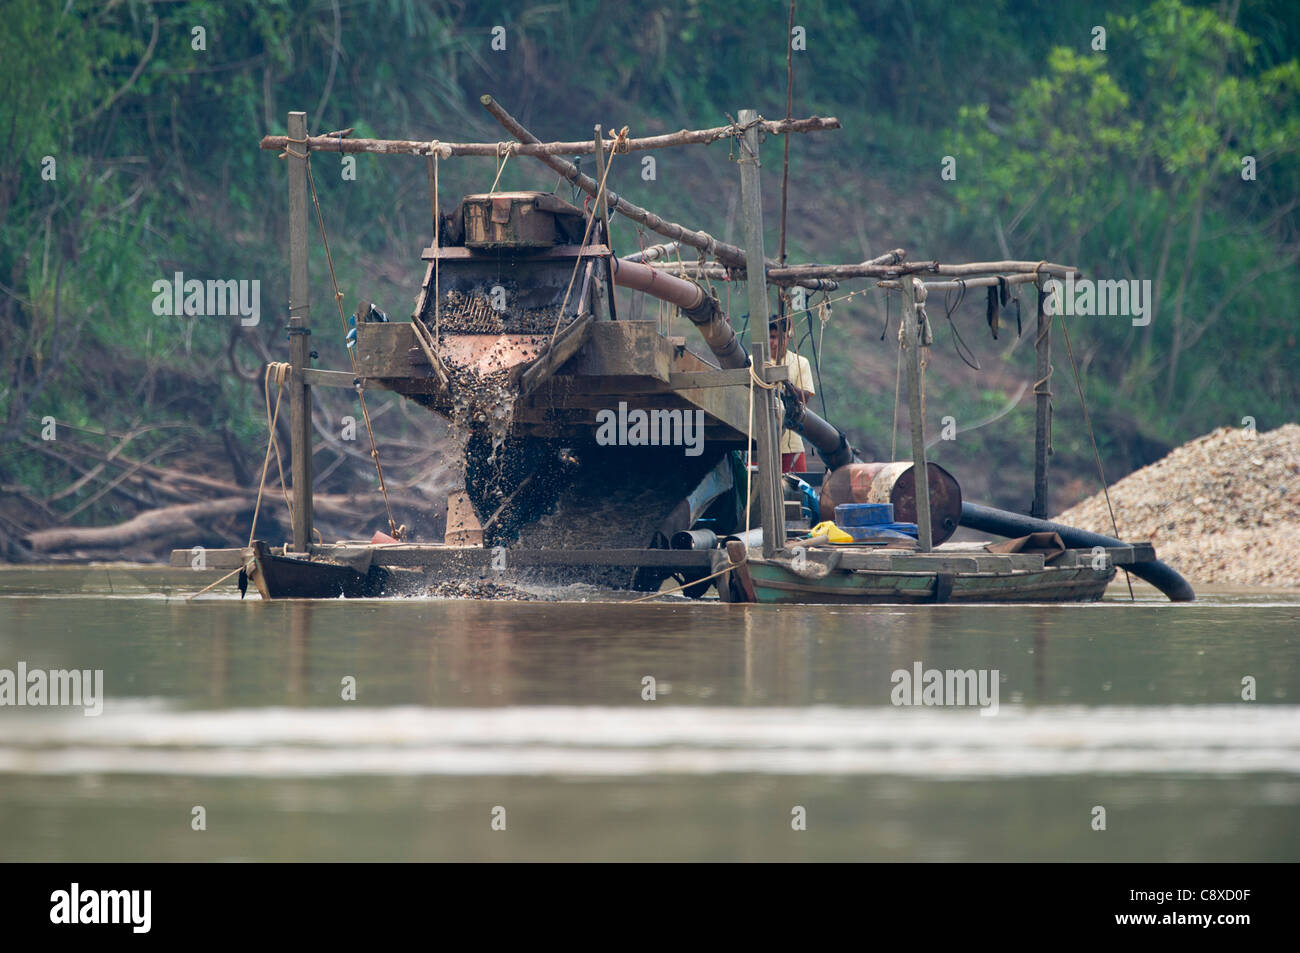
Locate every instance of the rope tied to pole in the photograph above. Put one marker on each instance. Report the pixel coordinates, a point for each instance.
(1042, 386)
(591, 220)
(432, 168)
(287, 153)
(504, 151)
(758, 382)
(277, 372)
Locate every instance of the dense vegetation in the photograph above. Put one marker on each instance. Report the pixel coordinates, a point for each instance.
(130, 145)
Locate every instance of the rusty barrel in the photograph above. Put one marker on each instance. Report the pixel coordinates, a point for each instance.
(895, 483)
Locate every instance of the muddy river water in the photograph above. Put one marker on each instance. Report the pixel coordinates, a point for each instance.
(462, 730)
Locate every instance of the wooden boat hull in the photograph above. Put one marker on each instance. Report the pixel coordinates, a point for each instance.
(774, 583)
(292, 577)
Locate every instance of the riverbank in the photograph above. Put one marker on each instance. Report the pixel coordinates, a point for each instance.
(1221, 509)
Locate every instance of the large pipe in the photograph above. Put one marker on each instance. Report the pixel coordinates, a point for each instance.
(750, 538)
(986, 519)
(700, 309)
(828, 440)
(694, 539)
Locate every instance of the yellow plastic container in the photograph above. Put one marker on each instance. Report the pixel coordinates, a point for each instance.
(832, 532)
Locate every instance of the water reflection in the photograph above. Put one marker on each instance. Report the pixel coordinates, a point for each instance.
(758, 708)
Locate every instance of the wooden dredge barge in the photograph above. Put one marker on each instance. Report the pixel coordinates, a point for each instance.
(516, 337)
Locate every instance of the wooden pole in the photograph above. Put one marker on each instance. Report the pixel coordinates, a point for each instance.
(987, 281)
(789, 111)
(751, 200)
(769, 464)
(600, 177)
(912, 343)
(871, 269)
(1042, 405)
(706, 243)
(423, 147)
(771, 507)
(299, 337)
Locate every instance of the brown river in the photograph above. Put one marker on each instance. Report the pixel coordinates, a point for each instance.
(419, 729)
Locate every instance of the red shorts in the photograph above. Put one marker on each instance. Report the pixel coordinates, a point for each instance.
(793, 463)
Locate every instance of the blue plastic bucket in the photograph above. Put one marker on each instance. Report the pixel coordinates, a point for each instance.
(863, 514)
(882, 530)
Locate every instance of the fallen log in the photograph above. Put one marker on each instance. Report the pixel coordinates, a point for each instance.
(181, 521)
(148, 525)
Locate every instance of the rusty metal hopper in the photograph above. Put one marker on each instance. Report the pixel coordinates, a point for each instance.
(519, 220)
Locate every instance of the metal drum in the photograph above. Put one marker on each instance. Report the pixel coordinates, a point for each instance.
(895, 483)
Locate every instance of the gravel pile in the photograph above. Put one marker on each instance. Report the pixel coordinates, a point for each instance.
(1224, 508)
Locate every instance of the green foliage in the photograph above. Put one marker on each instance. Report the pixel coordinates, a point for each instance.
(1126, 162)
(1129, 162)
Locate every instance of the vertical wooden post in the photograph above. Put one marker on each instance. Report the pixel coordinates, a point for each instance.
(604, 275)
(751, 200)
(1042, 405)
(771, 509)
(912, 343)
(771, 505)
(299, 336)
(600, 177)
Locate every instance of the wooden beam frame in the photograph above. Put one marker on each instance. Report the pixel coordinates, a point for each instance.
(300, 435)
(912, 344)
(445, 150)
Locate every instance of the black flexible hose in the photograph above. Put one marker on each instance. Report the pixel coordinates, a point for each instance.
(986, 519)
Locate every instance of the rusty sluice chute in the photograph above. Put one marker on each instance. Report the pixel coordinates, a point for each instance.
(516, 339)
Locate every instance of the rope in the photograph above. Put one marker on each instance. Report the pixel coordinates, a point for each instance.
(898, 378)
(502, 166)
(437, 246)
(695, 582)
(1096, 454)
(675, 311)
(817, 364)
(755, 381)
(749, 453)
(1042, 386)
(214, 585)
(591, 220)
(958, 344)
(279, 371)
(361, 396)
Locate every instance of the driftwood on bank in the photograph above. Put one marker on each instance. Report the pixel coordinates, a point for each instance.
(182, 520)
(445, 150)
(167, 520)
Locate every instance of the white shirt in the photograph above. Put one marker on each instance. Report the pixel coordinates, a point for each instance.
(801, 377)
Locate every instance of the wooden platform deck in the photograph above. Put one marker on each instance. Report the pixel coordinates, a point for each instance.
(619, 360)
(435, 557)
